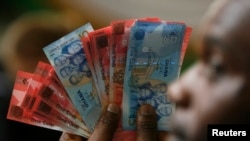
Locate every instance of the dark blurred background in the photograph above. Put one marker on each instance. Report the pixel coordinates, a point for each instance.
(74, 13)
(11, 12)
(27, 26)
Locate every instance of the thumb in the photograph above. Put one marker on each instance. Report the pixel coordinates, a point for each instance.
(107, 124)
(70, 137)
(146, 124)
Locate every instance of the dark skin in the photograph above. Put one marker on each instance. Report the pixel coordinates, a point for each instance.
(216, 89)
(104, 131)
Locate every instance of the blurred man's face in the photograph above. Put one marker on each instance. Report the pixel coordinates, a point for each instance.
(211, 92)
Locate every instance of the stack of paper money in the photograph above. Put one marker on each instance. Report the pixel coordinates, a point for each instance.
(129, 63)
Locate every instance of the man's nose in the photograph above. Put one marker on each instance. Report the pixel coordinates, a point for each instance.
(179, 95)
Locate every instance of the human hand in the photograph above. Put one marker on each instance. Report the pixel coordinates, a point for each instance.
(70, 137)
(107, 124)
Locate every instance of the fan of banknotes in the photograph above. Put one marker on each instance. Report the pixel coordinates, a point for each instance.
(129, 63)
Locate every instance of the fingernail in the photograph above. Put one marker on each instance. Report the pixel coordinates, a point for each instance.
(146, 110)
(113, 108)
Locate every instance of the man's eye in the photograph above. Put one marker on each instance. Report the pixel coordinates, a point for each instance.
(218, 68)
(216, 65)
(214, 71)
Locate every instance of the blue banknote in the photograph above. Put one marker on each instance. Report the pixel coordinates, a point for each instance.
(68, 58)
(152, 63)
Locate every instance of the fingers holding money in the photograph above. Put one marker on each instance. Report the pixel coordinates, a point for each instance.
(147, 125)
(107, 124)
(105, 127)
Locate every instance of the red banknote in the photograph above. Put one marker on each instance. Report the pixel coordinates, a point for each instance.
(99, 48)
(53, 92)
(18, 105)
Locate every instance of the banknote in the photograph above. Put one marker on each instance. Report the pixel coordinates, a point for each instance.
(68, 58)
(118, 54)
(122, 135)
(18, 106)
(40, 105)
(153, 61)
(52, 91)
(43, 109)
(186, 39)
(50, 103)
(99, 47)
(86, 47)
